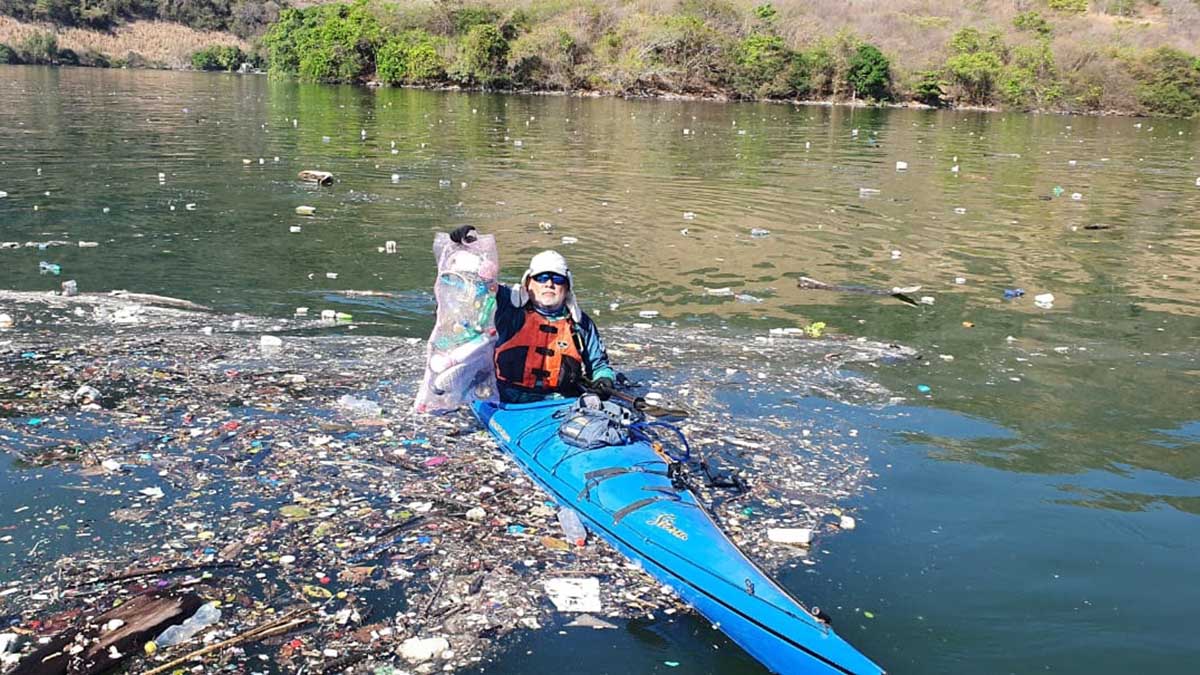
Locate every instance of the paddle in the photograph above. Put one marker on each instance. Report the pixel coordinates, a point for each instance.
(640, 404)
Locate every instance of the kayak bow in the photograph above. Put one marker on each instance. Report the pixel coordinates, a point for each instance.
(623, 494)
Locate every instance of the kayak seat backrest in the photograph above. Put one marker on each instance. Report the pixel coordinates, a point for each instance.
(591, 423)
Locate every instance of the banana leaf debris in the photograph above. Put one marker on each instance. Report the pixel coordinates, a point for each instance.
(158, 457)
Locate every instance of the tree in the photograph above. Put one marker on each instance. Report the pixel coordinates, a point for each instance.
(870, 72)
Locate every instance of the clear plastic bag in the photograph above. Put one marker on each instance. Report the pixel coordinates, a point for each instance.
(458, 363)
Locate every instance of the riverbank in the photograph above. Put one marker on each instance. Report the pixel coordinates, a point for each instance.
(1045, 61)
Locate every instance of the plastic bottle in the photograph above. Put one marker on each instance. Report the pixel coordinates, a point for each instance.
(572, 526)
(207, 615)
(440, 362)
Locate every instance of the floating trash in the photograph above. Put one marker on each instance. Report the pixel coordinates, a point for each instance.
(759, 233)
(902, 166)
(306, 210)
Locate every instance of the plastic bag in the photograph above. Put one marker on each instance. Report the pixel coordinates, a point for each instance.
(458, 362)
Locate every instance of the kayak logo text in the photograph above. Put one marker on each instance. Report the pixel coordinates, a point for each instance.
(667, 522)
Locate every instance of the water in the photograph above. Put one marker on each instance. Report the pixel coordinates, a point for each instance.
(1033, 512)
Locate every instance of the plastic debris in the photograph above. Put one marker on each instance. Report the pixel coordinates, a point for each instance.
(800, 536)
(572, 527)
(924, 388)
(306, 210)
(1044, 300)
(759, 233)
(207, 615)
(420, 650)
(847, 523)
(1010, 293)
(459, 365)
(901, 166)
(574, 595)
(6, 321)
(49, 268)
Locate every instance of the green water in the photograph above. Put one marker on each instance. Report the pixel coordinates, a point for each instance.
(1033, 512)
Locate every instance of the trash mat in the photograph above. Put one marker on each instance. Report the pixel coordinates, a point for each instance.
(297, 494)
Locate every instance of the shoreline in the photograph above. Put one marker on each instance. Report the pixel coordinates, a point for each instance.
(661, 96)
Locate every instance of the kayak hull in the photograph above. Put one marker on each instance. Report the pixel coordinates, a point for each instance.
(623, 495)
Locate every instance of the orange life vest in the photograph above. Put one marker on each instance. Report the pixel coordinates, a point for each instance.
(542, 356)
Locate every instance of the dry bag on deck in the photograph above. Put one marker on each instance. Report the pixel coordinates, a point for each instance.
(592, 423)
(458, 365)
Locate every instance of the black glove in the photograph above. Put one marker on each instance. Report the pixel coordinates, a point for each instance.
(603, 388)
(463, 233)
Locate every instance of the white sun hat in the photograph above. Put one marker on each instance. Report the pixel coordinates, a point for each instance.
(548, 261)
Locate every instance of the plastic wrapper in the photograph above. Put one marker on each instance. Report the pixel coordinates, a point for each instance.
(458, 363)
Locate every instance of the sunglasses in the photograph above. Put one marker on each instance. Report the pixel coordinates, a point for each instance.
(546, 277)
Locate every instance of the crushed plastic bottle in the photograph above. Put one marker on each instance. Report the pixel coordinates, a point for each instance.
(573, 529)
(360, 407)
(49, 268)
(207, 615)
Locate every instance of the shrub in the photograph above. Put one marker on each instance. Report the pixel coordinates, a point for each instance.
(1169, 82)
(929, 88)
(466, 18)
(547, 57)
(1031, 77)
(218, 57)
(1032, 22)
(325, 42)
(8, 55)
(482, 56)
(870, 72)
(40, 47)
(766, 13)
(760, 61)
(1068, 6)
(828, 65)
(412, 56)
(688, 52)
(977, 64)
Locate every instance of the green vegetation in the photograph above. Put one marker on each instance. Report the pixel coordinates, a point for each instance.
(39, 48)
(1169, 82)
(1052, 55)
(413, 57)
(1032, 22)
(869, 72)
(227, 58)
(8, 55)
(1068, 6)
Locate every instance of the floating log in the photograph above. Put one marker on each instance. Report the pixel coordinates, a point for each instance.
(103, 642)
(318, 177)
(899, 293)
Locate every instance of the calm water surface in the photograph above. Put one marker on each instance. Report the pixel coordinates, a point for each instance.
(1035, 512)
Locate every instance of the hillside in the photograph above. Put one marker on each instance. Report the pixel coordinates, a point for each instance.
(1131, 56)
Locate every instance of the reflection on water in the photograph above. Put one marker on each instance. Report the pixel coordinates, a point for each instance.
(1094, 395)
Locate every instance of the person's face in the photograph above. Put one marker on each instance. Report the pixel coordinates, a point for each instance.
(548, 290)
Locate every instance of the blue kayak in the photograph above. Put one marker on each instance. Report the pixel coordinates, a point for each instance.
(622, 493)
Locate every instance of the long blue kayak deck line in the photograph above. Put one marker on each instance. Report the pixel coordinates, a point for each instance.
(622, 493)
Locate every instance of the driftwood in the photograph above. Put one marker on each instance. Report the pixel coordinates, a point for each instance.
(98, 650)
(282, 624)
(318, 177)
(897, 293)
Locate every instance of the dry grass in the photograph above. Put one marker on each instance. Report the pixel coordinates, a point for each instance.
(167, 43)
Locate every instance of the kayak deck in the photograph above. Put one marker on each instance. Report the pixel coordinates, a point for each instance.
(623, 494)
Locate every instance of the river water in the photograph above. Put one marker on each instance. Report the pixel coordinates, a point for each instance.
(1038, 469)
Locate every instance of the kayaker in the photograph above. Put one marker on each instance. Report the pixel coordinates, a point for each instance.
(545, 345)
